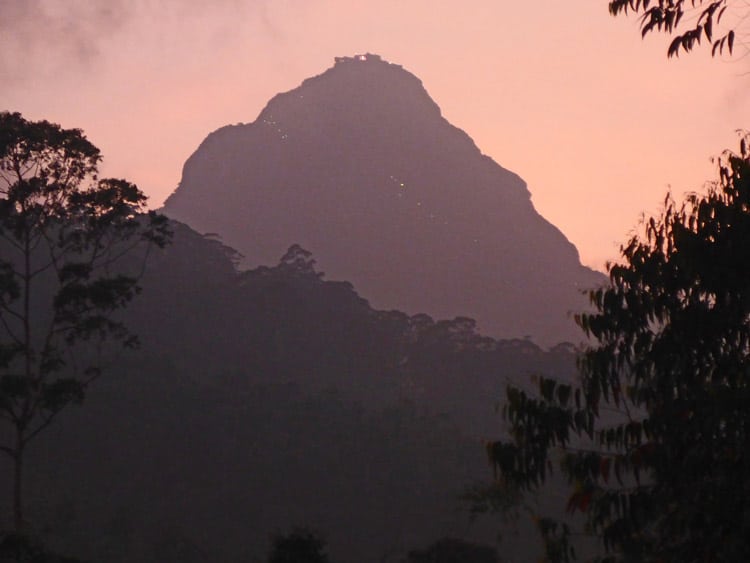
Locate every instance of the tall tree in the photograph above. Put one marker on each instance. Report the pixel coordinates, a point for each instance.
(62, 234)
(656, 441)
(703, 18)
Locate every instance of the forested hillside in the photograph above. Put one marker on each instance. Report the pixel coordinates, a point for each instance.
(266, 399)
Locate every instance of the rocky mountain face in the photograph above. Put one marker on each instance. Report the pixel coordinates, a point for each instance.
(358, 166)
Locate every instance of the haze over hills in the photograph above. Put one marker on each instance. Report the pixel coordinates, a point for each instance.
(358, 166)
(265, 399)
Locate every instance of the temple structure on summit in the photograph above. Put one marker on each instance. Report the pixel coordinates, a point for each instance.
(359, 58)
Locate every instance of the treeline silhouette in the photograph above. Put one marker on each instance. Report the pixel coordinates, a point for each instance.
(266, 399)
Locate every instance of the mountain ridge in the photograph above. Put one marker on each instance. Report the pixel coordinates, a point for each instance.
(358, 165)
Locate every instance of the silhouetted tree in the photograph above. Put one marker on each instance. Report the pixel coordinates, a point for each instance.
(450, 550)
(299, 546)
(298, 262)
(656, 440)
(62, 232)
(701, 17)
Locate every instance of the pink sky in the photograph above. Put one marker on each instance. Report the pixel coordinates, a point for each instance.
(598, 122)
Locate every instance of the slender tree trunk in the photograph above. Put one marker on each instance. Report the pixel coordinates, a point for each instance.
(20, 424)
(18, 485)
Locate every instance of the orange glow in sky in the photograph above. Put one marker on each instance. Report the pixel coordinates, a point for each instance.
(597, 121)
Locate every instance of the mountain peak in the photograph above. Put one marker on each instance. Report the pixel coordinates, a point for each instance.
(358, 88)
(358, 166)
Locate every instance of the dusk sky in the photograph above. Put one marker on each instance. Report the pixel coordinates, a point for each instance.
(597, 121)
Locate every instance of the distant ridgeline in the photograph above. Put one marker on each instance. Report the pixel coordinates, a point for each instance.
(358, 166)
(271, 398)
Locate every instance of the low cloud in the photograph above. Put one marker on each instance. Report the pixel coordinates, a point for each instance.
(52, 37)
(39, 33)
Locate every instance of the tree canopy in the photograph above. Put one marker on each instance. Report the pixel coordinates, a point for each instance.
(299, 546)
(655, 442)
(451, 550)
(687, 22)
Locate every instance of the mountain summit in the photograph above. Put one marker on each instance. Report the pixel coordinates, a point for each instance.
(358, 166)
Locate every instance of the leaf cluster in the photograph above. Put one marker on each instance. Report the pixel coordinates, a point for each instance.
(655, 442)
(665, 16)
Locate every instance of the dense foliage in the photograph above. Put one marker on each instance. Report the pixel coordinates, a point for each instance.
(449, 550)
(656, 441)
